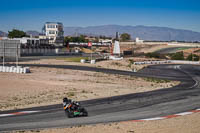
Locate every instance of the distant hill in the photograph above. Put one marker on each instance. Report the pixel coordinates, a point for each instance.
(33, 33)
(144, 32)
(3, 34)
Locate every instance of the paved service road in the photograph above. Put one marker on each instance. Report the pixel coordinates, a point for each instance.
(183, 97)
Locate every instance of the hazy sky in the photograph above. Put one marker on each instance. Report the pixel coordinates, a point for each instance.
(32, 14)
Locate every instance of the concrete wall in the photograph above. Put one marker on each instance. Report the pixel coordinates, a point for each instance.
(45, 52)
(37, 51)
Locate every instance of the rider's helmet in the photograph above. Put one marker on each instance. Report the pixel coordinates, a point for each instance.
(65, 100)
(69, 101)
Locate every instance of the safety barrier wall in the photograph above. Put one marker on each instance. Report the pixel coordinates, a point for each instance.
(38, 51)
(184, 62)
(167, 61)
(14, 69)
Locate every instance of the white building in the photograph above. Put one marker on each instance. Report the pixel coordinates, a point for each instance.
(54, 32)
(137, 40)
(29, 42)
(105, 40)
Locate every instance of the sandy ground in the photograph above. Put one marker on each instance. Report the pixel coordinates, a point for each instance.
(125, 64)
(151, 48)
(45, 86)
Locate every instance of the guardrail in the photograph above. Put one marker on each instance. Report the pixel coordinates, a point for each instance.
(185, 62)
(167, 61)
(86, 44)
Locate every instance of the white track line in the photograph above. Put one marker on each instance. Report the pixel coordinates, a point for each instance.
(28, 112)
(167, 117)
(18, 113)
(184, 113)
(4, 115)
(152, 119)
(196, 82)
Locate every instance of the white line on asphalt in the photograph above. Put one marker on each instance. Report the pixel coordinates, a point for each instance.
(18, 113)
(151, 119)
(196, 82)
(28, 112)
(184, 113)
(4, 115)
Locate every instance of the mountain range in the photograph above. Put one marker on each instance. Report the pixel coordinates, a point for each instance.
(148, 33)
(3, 34)
(32, 33)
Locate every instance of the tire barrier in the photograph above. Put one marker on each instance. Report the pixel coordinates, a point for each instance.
(13, 69)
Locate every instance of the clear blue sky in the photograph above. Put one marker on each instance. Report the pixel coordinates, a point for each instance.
(32, 14)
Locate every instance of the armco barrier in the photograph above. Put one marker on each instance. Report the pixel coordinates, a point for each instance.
(152, 62)
(167, 61)
(13, 69)
(185, 62)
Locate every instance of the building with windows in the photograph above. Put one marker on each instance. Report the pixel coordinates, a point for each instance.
(137, 40)
(30, 41)
(54, 32)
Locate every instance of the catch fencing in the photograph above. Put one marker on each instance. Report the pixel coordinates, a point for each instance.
(9, 48)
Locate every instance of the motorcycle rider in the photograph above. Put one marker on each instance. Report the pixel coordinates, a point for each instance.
(67, 102)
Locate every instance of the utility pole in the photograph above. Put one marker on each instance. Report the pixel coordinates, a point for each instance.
(3, 54)
(17, 55)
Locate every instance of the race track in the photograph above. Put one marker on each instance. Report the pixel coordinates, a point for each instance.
(183, 97)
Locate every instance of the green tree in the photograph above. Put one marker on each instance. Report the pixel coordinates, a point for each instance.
(81, 38)
(125, 37)
(192, 57)
(67, 39)
(153, 55)
(16, 34)
(178, 56)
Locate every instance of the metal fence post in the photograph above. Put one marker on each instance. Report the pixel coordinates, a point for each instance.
(3, 54)
(17, 55)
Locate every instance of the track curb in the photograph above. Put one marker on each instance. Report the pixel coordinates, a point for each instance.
(166, 117)
(18, 113)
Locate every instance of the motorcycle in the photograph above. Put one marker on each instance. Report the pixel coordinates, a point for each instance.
(73, 110)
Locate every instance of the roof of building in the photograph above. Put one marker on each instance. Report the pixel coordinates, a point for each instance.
(53, 23)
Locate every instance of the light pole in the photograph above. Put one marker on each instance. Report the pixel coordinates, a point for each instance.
(3, 54)
(17, 56)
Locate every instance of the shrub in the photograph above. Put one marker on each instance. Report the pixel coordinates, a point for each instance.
(70, 94)
(178, 56)
(153, 55)
(131, 61)
(193, 57)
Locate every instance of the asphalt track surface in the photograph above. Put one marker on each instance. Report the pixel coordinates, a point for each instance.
(181, 98)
